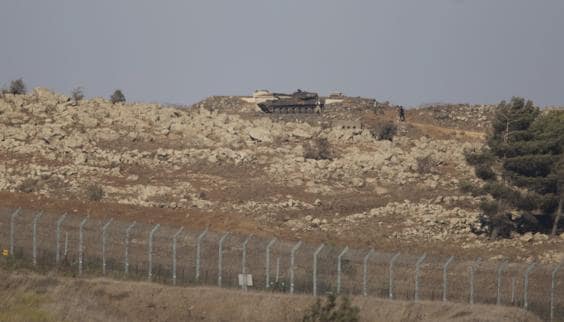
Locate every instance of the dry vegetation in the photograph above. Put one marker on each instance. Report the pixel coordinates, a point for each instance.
(29, 297)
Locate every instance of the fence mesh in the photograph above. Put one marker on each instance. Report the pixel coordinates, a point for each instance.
(170, 255)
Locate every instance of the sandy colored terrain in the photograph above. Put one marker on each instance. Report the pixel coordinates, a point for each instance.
(222, 164)
(27, 297)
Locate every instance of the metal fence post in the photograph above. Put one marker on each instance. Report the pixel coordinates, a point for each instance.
(315, 268)
(417, 269)
(198, 252)
(472, 271)
(126, 246)
(339, 258)
(244, 263)
(35, 219)
(150, 252)
(267, 273)
(81, 245)
(277, 269)
(220, 259)
(526, 286)
(13, 230)
(66, 248)
(500, 269)
(104, 229)
(58, 238)
(292, 260)
(391, 275)
(174, 254)
(552, 288)
(445, 277)
(513, 290)
(365, 272)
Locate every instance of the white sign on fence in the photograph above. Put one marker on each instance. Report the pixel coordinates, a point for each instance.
(248, 277)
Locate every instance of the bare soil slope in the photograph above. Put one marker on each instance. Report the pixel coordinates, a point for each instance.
(30, 297)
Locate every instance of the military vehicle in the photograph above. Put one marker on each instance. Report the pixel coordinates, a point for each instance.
(297, 102)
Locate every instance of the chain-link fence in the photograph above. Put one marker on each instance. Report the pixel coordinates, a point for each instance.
(84, 246)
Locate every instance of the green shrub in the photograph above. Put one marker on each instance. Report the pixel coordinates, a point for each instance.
(318, 149)
(17, 87)
(387, 132)
(476, 158)
(331, 312)
(94, 192)
(117, 97)
(484, 172)
(426, 165)
(467, 187)
(29, 185)
(77, 94)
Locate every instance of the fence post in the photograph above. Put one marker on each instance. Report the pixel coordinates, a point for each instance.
(292, 259)
(391, 275)
(417, 269)
(244, 263)
(174, 254)
(13, 230)
(513, 290)
(500, 269)
(151, 233)
(315, 268)
(552, 287)
(58, 238)
(81, 245)
(126, 244)
(445, 277)
(365, 273)
(339, 258)
(526, 286)
(220, 259)
(35, 219)
(104, 229)
(66, 250)
(472, 271)
(277, 268)
(268, 262)
(198, 252)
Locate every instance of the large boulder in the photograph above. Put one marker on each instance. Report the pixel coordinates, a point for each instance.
(260, 134)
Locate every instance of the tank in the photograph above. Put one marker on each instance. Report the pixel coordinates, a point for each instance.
(297, 102)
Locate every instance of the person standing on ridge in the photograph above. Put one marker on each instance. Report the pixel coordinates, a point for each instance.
(401, 112)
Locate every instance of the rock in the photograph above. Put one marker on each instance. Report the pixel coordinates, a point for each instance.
(357, 182)
(260, 134)
(540, 237)
(301, 133)
(317, 202)
(562, 236)
(308, 218)
(527, 237)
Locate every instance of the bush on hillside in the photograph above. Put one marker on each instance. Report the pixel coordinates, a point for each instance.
(117, 97)
(331, 312)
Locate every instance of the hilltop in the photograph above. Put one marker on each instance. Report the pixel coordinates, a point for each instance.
(224, 164)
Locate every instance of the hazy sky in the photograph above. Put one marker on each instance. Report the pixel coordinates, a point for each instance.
(405, 51)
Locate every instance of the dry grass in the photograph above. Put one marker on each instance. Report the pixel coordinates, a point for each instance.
(107, 300)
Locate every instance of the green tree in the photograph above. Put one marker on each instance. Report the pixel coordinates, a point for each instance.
(17, 87)
(559, 170)
(519, 165)
(117, 97)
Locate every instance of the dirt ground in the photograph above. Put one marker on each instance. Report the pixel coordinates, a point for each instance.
(26, 296)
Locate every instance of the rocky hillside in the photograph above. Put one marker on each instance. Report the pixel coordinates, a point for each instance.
(224, 164)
